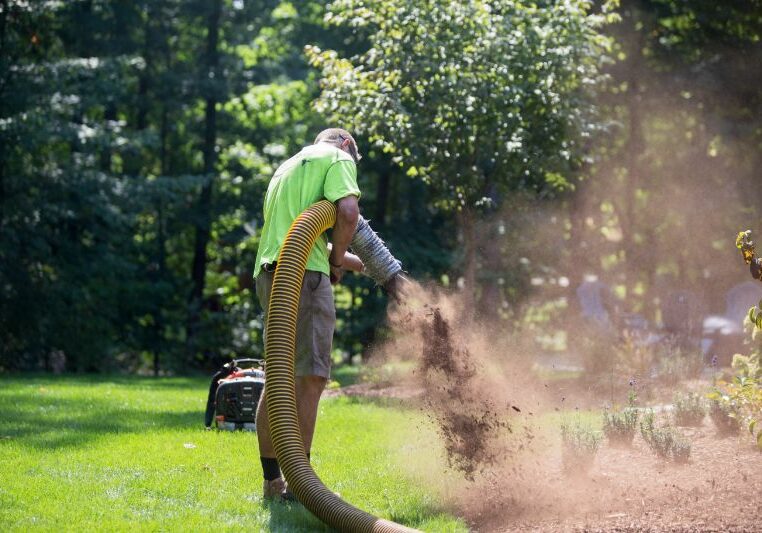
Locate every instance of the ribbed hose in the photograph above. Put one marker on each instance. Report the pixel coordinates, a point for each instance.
(280, 344)
(380, 264)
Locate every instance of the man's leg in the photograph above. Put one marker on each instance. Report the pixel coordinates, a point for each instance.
(308, 391)
(274, 486)
(314, 332)
(263, 430)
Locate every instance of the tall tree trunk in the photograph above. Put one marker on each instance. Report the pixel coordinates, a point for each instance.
(382, 198)
(203, 206)
(161, 240)
(467, 226)
(3, 112)
(108, 117)
(634, 148)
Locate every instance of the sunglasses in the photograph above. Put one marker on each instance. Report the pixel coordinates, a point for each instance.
(352, 149)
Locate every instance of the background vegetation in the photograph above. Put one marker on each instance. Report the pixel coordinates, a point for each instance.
(511, 149)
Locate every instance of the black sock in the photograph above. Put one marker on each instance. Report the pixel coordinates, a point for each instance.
(270, 468)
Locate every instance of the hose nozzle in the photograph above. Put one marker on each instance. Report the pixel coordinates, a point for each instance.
(380, 265)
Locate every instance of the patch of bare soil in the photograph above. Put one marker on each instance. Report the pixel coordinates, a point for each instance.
(471, 385)
(372, 390)
(720, 489)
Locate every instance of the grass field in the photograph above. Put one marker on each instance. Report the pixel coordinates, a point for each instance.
(117, 454)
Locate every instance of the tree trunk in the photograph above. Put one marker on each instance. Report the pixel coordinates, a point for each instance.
(633, 152)
(382, 198)
(108, 116)
(3, 111)
(467, 226)
(203, 206)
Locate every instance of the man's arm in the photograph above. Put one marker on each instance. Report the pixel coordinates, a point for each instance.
(347, 213)
(351, 261)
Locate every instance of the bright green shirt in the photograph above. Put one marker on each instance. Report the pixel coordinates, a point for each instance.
(319, 171)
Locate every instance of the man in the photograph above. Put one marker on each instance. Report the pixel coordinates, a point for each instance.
(325, 170)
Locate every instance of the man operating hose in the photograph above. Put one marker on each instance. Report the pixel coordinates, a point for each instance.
(325, 170)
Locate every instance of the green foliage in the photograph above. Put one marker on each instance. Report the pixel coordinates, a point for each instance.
(688, 409)
(724, 415)
(106, 150)
(475, 98)
(746, 245)
(579, 445)
(679, 365)
(620, 426)
(104, 153)
(739, 402)
(666, 442)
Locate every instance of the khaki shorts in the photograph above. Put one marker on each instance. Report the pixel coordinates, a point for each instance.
(314, 323)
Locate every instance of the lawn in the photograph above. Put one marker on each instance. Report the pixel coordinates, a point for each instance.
(119, 453)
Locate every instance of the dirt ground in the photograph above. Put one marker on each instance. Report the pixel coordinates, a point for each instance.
(628, 489)
(720, 489)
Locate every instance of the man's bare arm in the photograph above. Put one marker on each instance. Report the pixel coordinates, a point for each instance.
(351, 261)
(347, 213)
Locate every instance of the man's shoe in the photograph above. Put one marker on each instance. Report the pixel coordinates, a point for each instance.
(274, 489)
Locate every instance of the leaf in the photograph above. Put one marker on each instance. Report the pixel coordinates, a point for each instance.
(746, 245)
(752, 424)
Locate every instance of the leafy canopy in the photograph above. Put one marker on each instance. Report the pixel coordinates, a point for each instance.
(476, 98)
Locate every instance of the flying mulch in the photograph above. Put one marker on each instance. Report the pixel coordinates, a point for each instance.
(455, 399)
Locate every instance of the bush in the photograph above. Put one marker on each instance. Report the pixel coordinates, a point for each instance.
(679, 365)
(665, 442)
(689, 409)
(725, 418)
(579, 446)
(738, 403)
(620, 426)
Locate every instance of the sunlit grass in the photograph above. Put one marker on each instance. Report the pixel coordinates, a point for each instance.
(131, 454)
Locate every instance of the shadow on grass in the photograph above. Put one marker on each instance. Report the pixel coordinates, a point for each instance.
(402, 404)
(142, 382)
(51, 422)
(294, 517)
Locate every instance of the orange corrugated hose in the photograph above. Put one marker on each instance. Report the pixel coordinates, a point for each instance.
(280, 343)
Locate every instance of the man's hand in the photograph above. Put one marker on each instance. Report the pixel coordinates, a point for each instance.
(336, 274)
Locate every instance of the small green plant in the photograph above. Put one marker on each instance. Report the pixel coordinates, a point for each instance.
(666, 442)
(689, 409)
(681, 449)
(724, 415)
(620, 426)
(580, 443)
(679, 365)
(738, 403)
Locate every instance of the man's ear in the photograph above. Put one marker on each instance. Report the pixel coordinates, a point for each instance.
(345, 143)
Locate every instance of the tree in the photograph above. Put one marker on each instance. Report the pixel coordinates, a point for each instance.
(477, 99)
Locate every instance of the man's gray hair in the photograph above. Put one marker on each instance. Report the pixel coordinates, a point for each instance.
(337, 136)
(334, 135)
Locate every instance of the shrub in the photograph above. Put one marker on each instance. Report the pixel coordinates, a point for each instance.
(725, 417)
(681, 449)
(579, 446)
(620, 426)
(689, 409)
(738, 403)
(679, 365)
(665, 442)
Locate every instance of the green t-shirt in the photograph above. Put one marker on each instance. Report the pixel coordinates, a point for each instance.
(319, 171)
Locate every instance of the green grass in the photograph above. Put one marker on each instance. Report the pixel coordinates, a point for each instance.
(118, 454)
